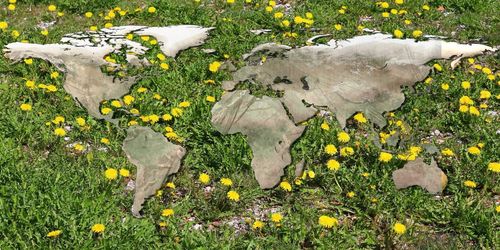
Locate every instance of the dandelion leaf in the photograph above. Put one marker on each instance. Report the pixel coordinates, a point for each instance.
(267, 126)
(364, 73)
(418, 173)
(155, 158)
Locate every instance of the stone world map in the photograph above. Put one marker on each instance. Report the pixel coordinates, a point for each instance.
(362, 74)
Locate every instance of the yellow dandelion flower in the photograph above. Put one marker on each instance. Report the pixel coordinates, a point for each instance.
(463, 108)
(210, 98)
(416, 33)
(333, 165)
(474, 111)
(153, 119)
(166, 117)
(3, 25)
(438, 67)
(59, 132)
(385, 157)
(474, 150)
(142, 90)
(98, 228)
(111, 174)
(447, 152)
(311, 174)
(465, 85)
(343, 137)
(52, 8)
(486, 70)
(124, 172)
(176, 112)
(233, 195)
(161, 57)
(30, 84)
(470, 184)
(184, 104)
(494, 167)
(285, 185)
(58, 120)
(330, 149)
(445, 86)
(466, 100)
(327, 221)
(128, 99)
(257, 225)
(164, 66)
(226, 182)
(276, 217)
(116, 104)
(384, 5)
(346, 151)
(134, 111)
(167, 212)
(152, 9)
(106, 111)
(399, 228)
(398, 33)
(484, 94)
(54, 75)
(54, 234)
(172, 135)
(170, 185)
(214, 66)
(25, 107)
(78, 147)
(204, 178)
(359, 117)
(325, 126)
(51, 88)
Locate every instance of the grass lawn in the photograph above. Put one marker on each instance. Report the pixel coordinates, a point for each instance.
(47, 183)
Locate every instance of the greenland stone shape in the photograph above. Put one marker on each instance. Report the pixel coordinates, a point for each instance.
(155, 158)
(418, 173)
(266, 124)
(362, 74)
(81, 55)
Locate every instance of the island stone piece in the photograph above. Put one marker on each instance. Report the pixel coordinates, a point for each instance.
(266, 124)
(417, 173)
(155, 158)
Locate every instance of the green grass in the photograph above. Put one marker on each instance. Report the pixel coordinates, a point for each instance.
(47, 186)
